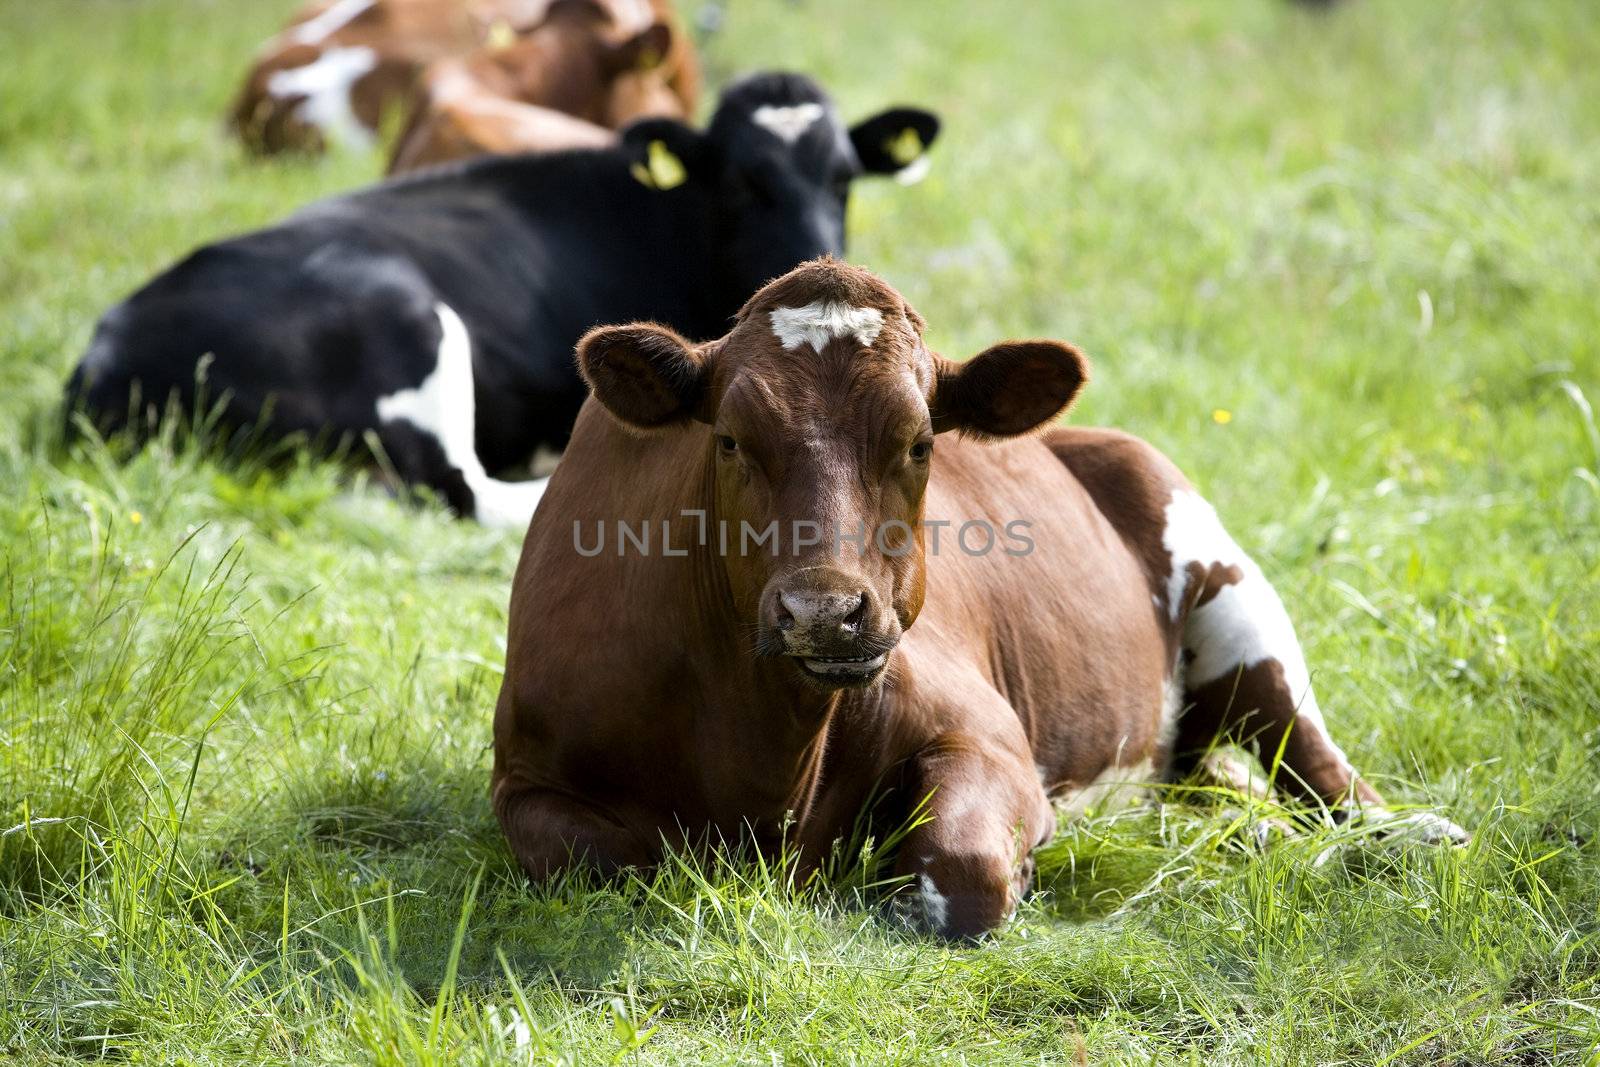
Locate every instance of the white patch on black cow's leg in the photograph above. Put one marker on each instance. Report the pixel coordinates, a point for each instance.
(820, 322)
(1244, 624)
(326, 83)
(314, 30)
(445, 406)
(789, 124)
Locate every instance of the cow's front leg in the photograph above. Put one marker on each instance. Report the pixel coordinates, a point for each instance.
(970, 863)
(551, 831)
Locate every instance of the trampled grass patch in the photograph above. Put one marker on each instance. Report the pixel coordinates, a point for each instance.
(1341, 267)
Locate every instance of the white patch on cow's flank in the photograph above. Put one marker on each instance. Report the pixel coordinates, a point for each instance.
(326, 83)
(789, 124)
(934, 906)
(444, 405)
(820, 322)
(316, 29)
(1245, 623)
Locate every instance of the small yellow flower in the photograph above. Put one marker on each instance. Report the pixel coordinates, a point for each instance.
(1221, 416)
(135, 517)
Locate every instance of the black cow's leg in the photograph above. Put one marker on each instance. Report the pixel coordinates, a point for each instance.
(419, 460)
(443, 409)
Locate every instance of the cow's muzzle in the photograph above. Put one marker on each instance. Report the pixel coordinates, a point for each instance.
(829, 628)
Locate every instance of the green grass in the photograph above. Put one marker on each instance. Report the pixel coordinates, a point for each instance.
(244, 714)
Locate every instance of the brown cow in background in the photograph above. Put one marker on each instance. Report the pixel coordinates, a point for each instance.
(341, 65)
(565, 84)
(994, 622)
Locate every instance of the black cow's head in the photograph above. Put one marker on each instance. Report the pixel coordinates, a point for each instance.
(776, 164)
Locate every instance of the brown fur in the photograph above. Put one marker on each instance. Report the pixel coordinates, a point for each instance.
(636, 708)
(408, 35)
(554, 88)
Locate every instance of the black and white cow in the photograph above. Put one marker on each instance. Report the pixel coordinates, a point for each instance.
(440, 311)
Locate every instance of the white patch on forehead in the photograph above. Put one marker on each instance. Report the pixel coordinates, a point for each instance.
(790, 123)
(314, 30)
(445, 406)
(818, 323)
(326, 83)
(1245, 623)
(934, 906)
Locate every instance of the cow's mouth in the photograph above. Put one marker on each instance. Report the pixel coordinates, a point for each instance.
(843, 670)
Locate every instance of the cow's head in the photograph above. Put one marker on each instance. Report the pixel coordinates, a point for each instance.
(777, 163)
(819, 412)
(573, 58)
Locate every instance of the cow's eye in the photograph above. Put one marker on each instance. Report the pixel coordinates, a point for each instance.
(727, 445)
(921, 451)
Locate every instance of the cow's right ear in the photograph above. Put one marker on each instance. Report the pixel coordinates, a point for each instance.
(646, 375)
(663, 153)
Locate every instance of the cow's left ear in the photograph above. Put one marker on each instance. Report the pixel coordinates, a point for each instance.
(663, 153)
(896, 142)
(646, 375)
(1008, 389)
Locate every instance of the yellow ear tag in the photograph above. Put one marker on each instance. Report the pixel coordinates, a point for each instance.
(649, 59)
(661, 170)
(501, 35)
(905, 147)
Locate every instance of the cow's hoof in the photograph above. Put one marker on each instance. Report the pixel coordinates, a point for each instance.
(1414, 827)
(1395, 830)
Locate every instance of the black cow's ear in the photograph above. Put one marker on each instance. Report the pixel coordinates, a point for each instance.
(645, 375)
(663, 153)
(896, 142)
(1008, 389)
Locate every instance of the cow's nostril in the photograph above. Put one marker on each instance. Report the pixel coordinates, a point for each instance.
(858, 614)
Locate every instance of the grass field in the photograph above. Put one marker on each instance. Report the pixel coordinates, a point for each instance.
(1345, 269)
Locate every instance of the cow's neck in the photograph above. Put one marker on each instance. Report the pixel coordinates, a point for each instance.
(768, 717)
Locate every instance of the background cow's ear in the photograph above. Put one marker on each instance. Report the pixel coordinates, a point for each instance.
(896, 142)
(642, 51)
(663, 153)
(1008, 389)
(645, 375)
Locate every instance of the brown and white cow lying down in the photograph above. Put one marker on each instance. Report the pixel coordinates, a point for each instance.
(711, 684)
(565, 84)
(340, 66)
